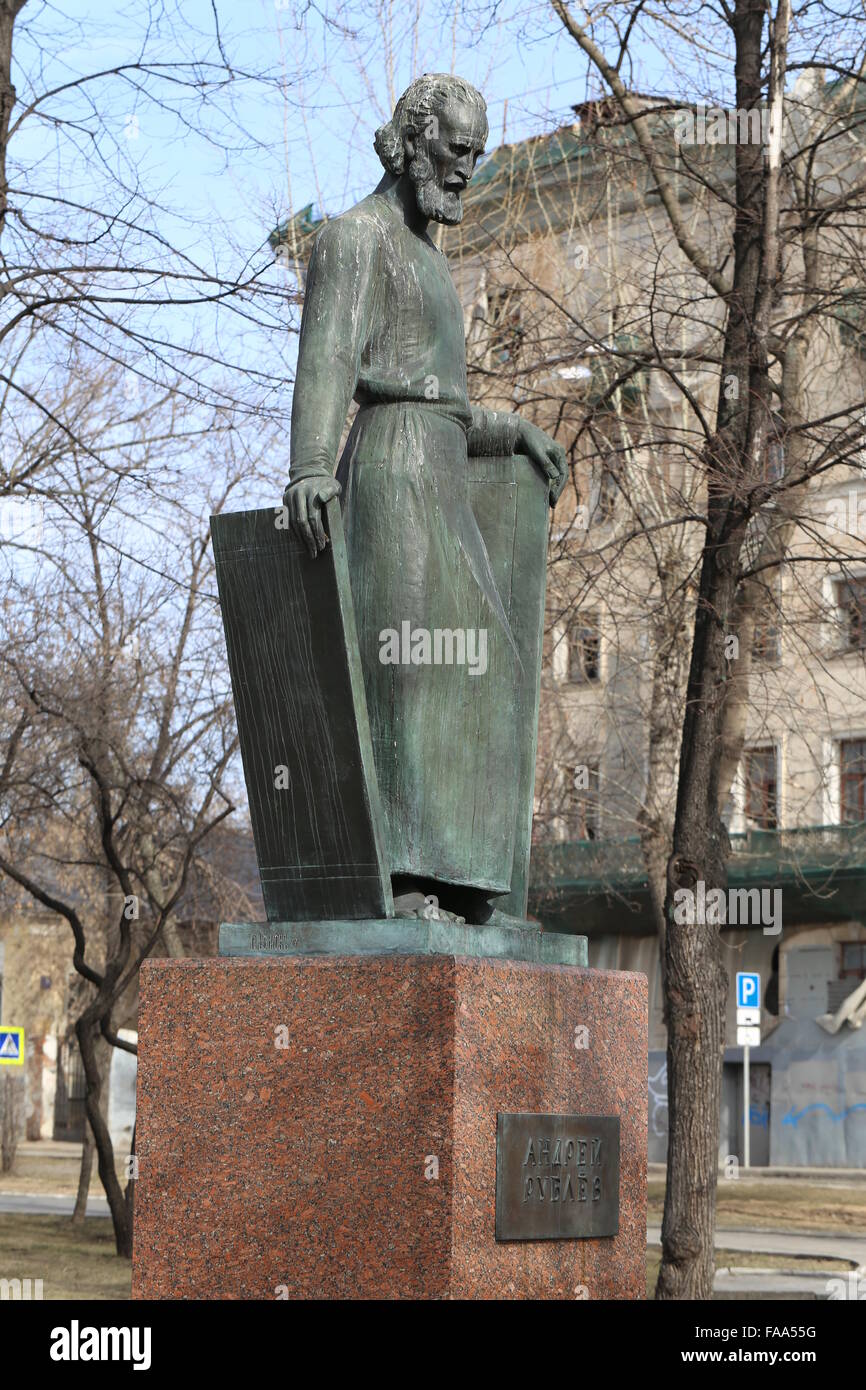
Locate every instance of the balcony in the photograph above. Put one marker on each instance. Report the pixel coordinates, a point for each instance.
(600, 886)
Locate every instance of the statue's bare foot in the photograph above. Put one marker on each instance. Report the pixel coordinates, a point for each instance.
(416, 905)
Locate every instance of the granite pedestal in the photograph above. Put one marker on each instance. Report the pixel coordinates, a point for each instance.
(321, 1125)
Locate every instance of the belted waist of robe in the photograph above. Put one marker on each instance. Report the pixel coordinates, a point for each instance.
(450, 410)
(453, 411)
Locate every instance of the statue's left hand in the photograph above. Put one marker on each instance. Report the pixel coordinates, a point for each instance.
(546, 454)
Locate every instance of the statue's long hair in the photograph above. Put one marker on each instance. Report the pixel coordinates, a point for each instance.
(421, 99)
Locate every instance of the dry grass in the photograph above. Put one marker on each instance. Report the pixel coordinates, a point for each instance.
(36, 1174)
(72, 1261)
(783, 1205)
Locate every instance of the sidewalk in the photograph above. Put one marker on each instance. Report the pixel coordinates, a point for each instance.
(824, 1176)
(49, 1168)
(58, 1148)
(797, 1244)
(49, 1204)
(48, 1148)
(733, 1281)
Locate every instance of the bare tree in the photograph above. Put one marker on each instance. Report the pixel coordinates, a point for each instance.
(125, 328)
(791, 210)
(120, 762)
(97, 257)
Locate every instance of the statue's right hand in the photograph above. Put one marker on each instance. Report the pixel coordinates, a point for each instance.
(305, 500)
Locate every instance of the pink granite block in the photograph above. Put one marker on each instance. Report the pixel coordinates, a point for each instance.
(325, 1127)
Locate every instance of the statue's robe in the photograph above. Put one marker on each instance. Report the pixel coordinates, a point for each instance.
(382, 324)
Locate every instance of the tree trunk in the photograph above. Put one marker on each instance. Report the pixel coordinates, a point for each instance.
(87, 1032)
(696, 977)
(752, 598)
(129, 1195)
(85, 1173)
(695, 971)
(8, 11)
(174, 947)
(669, 632)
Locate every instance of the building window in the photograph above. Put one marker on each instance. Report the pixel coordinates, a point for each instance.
(767, 644)
(584, 649)
(503, 322)
(550, 642)
(774, 462)
(774, 452)
(605, 502)
(851, 602)
(852, 781)
(761, 788)
(767, 640)
(852, 965)
(581, 802)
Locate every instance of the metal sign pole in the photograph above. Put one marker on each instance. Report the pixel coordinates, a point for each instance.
(746, 1106)
(748, 1032)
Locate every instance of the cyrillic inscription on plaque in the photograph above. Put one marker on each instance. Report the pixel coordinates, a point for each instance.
(557, 1176)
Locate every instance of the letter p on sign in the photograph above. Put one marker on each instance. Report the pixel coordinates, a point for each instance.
(748, 989)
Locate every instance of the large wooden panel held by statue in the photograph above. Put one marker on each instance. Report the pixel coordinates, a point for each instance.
(302, 719)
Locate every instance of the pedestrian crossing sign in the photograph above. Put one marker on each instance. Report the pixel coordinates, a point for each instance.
(11, 1047)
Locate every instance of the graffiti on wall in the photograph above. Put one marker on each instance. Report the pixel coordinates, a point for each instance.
(759, 1097)
(794, 1117)
(658, 1101)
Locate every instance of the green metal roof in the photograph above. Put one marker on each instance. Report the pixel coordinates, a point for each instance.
(601, 885)
(540, 152)
(571, 153)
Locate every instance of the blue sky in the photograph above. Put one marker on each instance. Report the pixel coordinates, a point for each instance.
(341, 64)
(341, 71)
(295, 126)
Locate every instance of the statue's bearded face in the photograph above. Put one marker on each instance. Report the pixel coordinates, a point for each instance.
(444, 159)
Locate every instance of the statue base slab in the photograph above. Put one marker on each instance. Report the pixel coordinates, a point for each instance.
(326, 1126)
(403, 936)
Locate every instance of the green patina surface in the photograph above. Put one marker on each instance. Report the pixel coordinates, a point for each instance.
(387, 691)
(391, 936)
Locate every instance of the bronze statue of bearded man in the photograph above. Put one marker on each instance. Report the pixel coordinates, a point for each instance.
(382, 324)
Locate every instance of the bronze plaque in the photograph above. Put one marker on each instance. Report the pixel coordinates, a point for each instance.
(557, 1176)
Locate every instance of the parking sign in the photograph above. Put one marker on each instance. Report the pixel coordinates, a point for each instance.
(748, 989)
